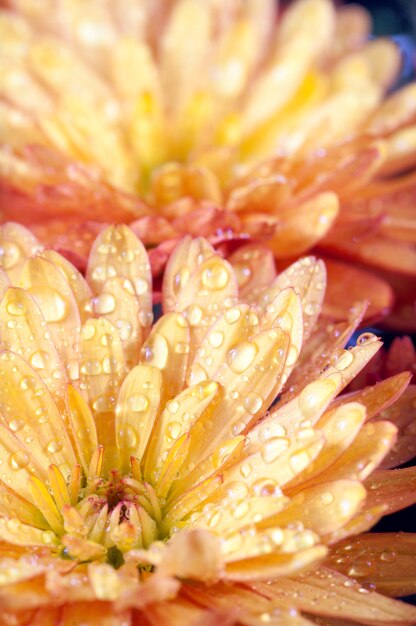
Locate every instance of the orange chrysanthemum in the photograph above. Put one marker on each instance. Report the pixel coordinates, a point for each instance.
(145, 477)
(221, 119)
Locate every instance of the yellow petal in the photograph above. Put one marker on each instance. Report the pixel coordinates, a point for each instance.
(118, 304)
(17, 244)
(193, 554)
(174, 421)
(30, 412)
(49, 287)
(138, 404)
(102, 368)
(167, 348)
(83, 428)
(322, 508)
(118, 252)
(24, 331)
(183, 261)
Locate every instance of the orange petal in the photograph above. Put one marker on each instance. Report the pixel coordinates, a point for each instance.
(347, 285)
(386, 561)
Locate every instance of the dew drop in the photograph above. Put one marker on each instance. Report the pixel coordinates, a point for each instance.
(194, 315)
(91, 367)
(38, 360)
(315, 395)
(215, 277)
(104, 303)
(16, 307)
(54, 446)
(156, 351)
(216, 338)
(273, 448)
(344, 360)
(140, 286)
(241, 357)
(173, 430)
(10, 254)
(138, 403)
(366, 338)
(128, 436)
(232, 316)
(16, 424)
(54, 306)
(19, 460)
(252, 403)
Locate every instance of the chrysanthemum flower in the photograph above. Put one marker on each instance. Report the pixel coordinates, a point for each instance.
(220, 118)
(146, 477)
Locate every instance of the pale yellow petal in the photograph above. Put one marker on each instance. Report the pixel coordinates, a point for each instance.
(31, 413)
(118, 252)
(138, 404)
(49, 287)
(17, 244)
(167, 348)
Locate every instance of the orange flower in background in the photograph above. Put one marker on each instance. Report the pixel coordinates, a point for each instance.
(148, 477)
(241, 124)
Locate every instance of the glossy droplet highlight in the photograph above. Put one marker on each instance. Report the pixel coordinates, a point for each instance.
(241, 357)
(19, 460)
(215, 277)
(315, 396)
(53, 304)
(138, 403)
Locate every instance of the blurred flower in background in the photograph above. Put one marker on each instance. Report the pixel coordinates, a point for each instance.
(219, 118)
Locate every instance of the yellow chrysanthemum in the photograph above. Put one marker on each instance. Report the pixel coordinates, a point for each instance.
(221, 117)
(146, 477)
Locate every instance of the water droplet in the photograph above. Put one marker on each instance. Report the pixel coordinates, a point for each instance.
(252, 403)
(216, 338)
(241, 357)
(88, 331)
(194, 315)
(16, 307)
(91, 367)
(19, 460)
(214, 519)
(215, 277)
(180, 279)
(181, 348)
(128, 436)
(299, 461)
(196, 375)
(173, 406)
(156, 351)
(125, 329)
(366, 338)
(344, 360)
(232, 316)
(327, 497)
(104, 403)
(53, 304)
(315, 395)
(241, 510)
(388, 556)
(173, 430)
(292, 356)
(138, 402)
(140, 286)
(54, 446)
(10, 254)
(273, 448)
(104, 303)
(38, 360)
(16, 424)
(48, 536)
